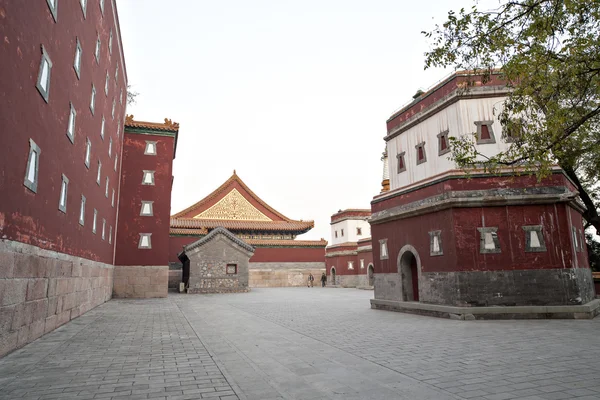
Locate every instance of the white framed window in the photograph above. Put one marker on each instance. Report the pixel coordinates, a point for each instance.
(109, 147)
(43, 80)
(82, 211)
(110, 235)
(116, 161)
(99, 172)
(77, 61)
(64, 187)
(97, 52)
(52, 5)
(71, 124)
(83, 7)
(350, 264)
(117, 73)
(106, 190)
(121, 97)
(102, 6)
(103, 229)
(94, 221)
(110, 41)
(112, 113)
(112, 202)
(88, 152)
(118, 130)
(106, 84)
(383, 249)
(93, 99)
(421, 154)
(145, 241)
(150, 148)
(102, 128)
(148, 178)
(33, 162)
(362, 263)
(147, 209)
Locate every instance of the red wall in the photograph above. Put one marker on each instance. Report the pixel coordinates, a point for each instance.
(131, 224)
(34, 218)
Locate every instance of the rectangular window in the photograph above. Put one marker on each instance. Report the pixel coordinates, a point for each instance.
(488, 240)
(116, 161)
(110, 235)
(43, 80)
(71, 124)
(336, 234)
(145, 241)
(82, 211)
(342, 231)
(110, 42)
(350, 264)
(99, 172)
(77, 62)
(113, 108)
(52, 6)
(112, 202)
(575, 241)
(83, 7)
(94, 221)
(88, 152)
(362, 263)
(150, 148)
(102, 6)
(106, 84)
(118, 130)
(534, 239)
(106, 190)
(117, 73)
(443, 145)
(358, 231)
(97, 53)
(485, 133)
(401, 163)
(102, 128)
(31, 172)
(383, 250)
(435, 243)
(148, 178)
(93, 99)
(121, 97)
(421, 156)
(231, 269)
(103, 229)
(109, 147)
(147, 209)
(64, 187)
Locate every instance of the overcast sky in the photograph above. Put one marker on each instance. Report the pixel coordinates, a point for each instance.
(294, 95)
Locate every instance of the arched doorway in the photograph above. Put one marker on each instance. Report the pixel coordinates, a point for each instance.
(409, 267)
(371, 275)
(333, 275)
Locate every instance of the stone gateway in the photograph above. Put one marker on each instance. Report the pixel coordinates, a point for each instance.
(217, 263)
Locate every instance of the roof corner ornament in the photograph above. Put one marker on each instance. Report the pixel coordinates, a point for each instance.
(171, 124)
(128, 118)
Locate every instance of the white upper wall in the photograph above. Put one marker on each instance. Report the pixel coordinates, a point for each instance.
(350, 234)
(459, 119)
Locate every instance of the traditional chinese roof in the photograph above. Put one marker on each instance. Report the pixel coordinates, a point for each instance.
(235, 207)
(167, 126)
(213, 234)
(350, 213)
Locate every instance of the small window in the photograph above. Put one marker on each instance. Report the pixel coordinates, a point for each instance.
(383, 250)
(113, 108)
(121, 97)
(534, 239)
(435, 243)
(106, 84)
(514, 130)
(52, 5)
(43, 80)
(231, 269)
(109, 147)
(64, 187)
(103, 229)
(82, 211)
(485, 133)
(110, 235)
(358, 231)
(77, 61)
(336, 234)
(443, 144)
(118, 130)
(488, 240)
(148, 178)
(117, 73)
(362, 263)
(350, 264)
(116, 161)
(97, 52)
(106, 190)
(88, 152)
(102, 6)
(401, 162)
(83, 7)
(102, 128)
(150, 148)
(93, 99)
(99, 172)
(575, 239)
(421, 156)
(147, 208)
(112, 202)
(145, 241)
(94, 221)
(71, 124)
(582, 241)
(342, 232)
(110, 42)
(33, 162)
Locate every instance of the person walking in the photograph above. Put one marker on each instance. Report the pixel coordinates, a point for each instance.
(323, 279)
(311, 279)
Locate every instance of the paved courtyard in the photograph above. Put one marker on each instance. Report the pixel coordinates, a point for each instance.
(300, 343)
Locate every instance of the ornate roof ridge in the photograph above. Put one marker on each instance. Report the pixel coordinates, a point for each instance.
(220, 189)
(219, 231)
(168, 125)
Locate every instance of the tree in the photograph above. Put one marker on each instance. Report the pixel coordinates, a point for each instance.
(593, 248)
(131, 95)
(548, 51)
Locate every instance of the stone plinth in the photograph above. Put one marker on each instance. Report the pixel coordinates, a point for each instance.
(141, 281)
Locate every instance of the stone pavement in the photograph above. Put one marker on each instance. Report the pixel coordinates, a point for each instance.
(300, 343)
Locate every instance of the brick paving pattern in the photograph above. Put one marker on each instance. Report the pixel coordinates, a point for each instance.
(300, 343)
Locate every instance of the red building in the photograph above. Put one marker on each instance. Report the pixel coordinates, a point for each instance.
(279, 259)
(470, 242)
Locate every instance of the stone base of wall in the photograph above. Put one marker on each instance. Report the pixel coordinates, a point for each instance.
(539, 287)
(141, 281)
(41, 290)
(217, 285)
(350, 281)
(279, 274)
(175, 277)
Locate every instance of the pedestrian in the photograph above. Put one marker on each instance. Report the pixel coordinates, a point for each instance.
(323, 279)
(311, 279)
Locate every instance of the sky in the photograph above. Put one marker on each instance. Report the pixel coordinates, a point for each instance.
(293, 95)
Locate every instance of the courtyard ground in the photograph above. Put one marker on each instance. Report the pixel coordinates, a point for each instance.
(300, 343)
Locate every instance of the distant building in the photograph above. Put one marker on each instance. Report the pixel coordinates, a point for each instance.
(444, 238)
(279, 259)
(349, 258)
